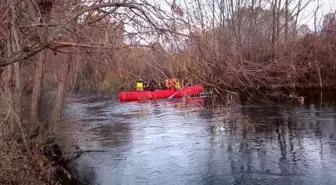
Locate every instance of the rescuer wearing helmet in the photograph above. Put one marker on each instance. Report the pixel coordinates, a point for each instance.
(176, 85)
(145, 85)
(152, 86)
(139, 85)
(169, 84)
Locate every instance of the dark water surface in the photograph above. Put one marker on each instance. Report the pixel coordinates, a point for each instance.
(168, 143)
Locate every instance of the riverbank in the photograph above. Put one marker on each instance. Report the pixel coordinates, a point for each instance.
(37, 163)
(31, 158)
(21, 163)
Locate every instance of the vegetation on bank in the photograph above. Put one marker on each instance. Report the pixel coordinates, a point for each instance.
(254, 48)
(20, 166)
(69, 46)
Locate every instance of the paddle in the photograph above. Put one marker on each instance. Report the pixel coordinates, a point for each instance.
(170, 97)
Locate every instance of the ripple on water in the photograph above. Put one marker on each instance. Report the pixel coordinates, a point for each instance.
(165, 143)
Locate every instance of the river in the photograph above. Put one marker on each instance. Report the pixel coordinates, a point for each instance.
(174, 142)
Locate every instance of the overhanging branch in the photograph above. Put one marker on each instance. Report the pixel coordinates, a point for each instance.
(22, 55)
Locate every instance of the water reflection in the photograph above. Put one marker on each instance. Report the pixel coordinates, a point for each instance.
(161, 143)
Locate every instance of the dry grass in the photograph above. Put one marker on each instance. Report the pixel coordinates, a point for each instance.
(17, 166)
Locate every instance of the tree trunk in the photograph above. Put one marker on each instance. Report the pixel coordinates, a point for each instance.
(17, 91)
(39, 71)
(297, 18)
(37, 88)
(60, 96)
(8, 90)
(278, 24)
(213, 15)
(199, 6)
(16, 46)
(58, 107)
(274, 28)
(221, 29)
(315, 15)
(286, 21)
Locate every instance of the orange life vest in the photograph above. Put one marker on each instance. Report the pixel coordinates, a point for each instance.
(173, 84)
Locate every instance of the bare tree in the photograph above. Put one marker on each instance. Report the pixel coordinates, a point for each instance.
(58, 107)
(40, 12)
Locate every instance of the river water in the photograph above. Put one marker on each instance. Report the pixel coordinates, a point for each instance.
(174, 142)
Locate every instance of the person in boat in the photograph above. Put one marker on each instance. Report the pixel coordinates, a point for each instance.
(152, 86)
(169, 84)
(139, 85)
(161, 86)
(173, 84)
(177, 84)
(145, 84)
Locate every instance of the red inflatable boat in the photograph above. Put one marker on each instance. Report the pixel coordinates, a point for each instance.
(162, 94)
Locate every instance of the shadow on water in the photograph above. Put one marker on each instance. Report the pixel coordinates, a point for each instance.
(172, 143)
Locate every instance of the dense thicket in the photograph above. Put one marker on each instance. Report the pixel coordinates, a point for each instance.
(249, 46)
